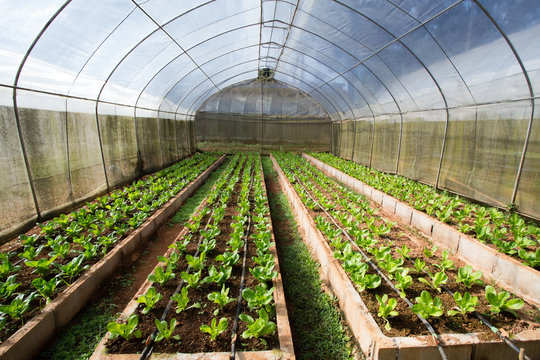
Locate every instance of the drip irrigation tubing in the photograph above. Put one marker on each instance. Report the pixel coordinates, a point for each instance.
(149, 344)
(375, 267)
(480, 317)
(242, 281)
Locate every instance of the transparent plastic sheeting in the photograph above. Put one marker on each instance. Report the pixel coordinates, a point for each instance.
(263, 115)
(443, 91)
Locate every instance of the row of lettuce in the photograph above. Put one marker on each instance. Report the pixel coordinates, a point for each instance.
(405, 266)
(43, 263)
(507, 231)
(197, 264)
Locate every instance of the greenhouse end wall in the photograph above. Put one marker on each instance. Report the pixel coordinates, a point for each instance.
(482, 151)
(65, 165)
(236, 131)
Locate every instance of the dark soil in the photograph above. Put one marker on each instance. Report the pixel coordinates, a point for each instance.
(407, 323)
(192, 340)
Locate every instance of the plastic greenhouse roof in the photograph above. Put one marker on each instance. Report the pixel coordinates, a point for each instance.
(358, 59)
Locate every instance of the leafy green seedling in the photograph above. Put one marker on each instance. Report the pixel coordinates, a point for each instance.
(404, 251)
(218, 276)
(501, 301)
(264, 273)
(257, 328)
(426, 306)
(445, 263)
(196, 263)
(170, 262)
(468, 277)
(193, 280)
(365, 281)
(18, 306)
(182, 300)
(42, 266)
(150, 299)
(403, 281)
(259, 297)
(221, 298)
(30, 252)
(60, 249)
(127, 331)
(28, 240)
(72, 268)
(165, 332)
(6, 266)
(161, 276)
(46, 288)
(229, 258)
(8, 287)
(386, 309)
(435, 281)
(465, 304)
(419, 265)
(531, 258)
(429, 252)
(215, 328)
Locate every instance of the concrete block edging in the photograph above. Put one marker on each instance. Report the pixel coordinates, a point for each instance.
(498, 267)
(34, 336)
(372, 341)
(285, 352)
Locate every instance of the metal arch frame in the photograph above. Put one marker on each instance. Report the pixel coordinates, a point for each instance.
(16, 109)
(288, 32)
(174, 59)
(398, 39)
(271, 31)
(346, 102)
(362, 44)
(341, 96)
(531, 94)
(292, 86)
(423, 25)
(159, 27)
(296, 78)
(326, 66)
(191, 107)
(378, 79)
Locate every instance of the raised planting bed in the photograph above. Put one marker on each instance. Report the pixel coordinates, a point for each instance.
(73, 255)
(505, 270)
(502, 231)
(397, 289)
(217, 292)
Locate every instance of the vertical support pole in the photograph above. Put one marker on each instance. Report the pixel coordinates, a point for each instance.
(399, 144)
(25, 155)
(139, 157)
(443, 148)
(101, 148)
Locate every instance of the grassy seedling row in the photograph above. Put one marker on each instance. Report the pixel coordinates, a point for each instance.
(207, 263)
(43, 264)
(420, 273)
(508, 232)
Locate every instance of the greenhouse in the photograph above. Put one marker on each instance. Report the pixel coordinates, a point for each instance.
(269, 179)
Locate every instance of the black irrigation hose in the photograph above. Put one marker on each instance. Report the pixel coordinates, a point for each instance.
(480, 317)
(388, 281)
(149, 345)
(239, 304)
(496, 331)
